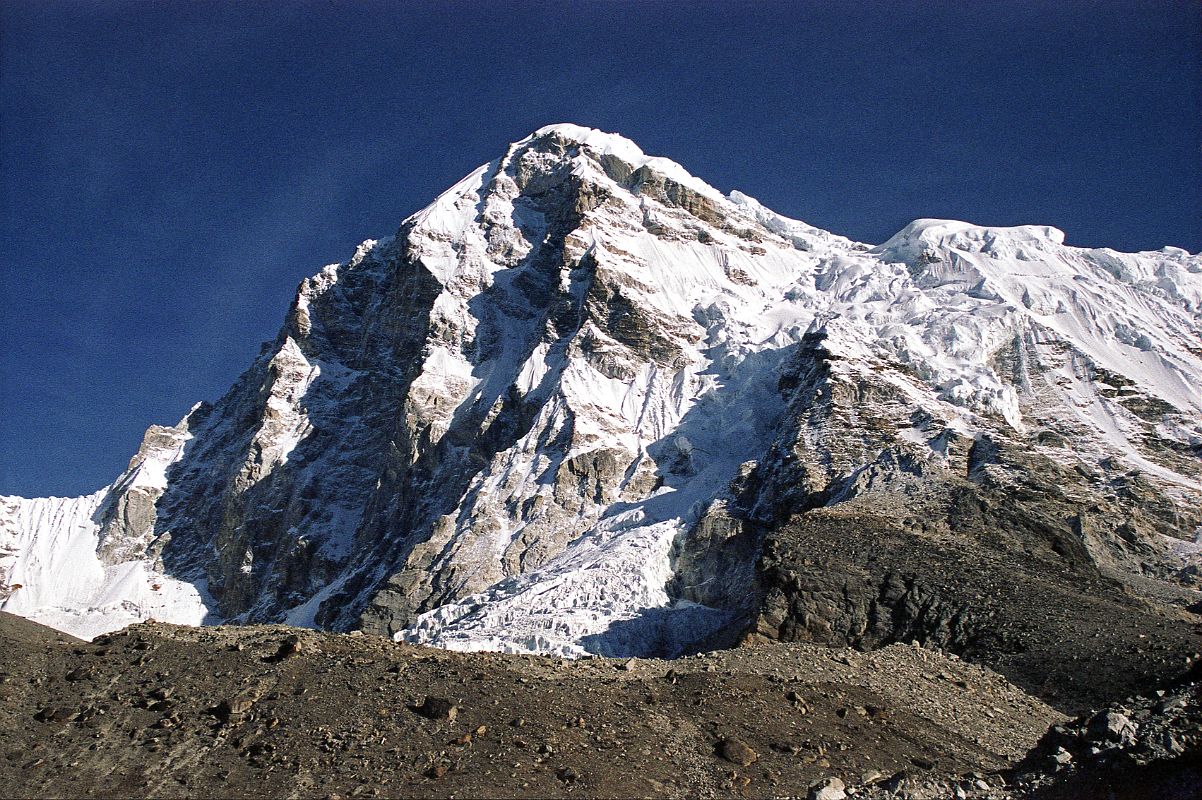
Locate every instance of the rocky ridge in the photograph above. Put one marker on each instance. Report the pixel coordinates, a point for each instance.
(225, 711)
(273, 711)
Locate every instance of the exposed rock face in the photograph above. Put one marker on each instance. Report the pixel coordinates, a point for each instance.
(992, 547)
(567, 405)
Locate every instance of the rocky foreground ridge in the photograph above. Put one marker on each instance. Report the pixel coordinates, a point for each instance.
(269, 711)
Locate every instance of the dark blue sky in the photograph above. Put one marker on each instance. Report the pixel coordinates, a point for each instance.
(171, 170)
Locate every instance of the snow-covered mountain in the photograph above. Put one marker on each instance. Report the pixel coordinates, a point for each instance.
(558, 410)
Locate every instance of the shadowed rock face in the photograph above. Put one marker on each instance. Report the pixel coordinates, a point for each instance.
(1061, 630)
(585, 404)
(1058, 578)
(1139, 746)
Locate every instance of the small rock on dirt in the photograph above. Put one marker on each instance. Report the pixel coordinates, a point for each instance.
(289, 647)
(828, 789)
(436, 708)
(232, 709)
(737, 751)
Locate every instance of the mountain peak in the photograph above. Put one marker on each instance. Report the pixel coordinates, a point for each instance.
(601, 143)
(577, 133)
(927, 235)
(550, 414)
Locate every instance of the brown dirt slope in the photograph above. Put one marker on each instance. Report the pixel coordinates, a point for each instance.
(162, 711)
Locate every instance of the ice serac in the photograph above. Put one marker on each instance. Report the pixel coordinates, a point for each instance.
(563, 407)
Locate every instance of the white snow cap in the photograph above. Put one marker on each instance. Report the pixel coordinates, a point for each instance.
(621, 147)
(936, 234)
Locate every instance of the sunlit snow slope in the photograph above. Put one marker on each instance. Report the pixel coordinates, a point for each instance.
(541, 415)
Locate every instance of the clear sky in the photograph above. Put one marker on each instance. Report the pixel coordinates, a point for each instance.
(171, 170)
